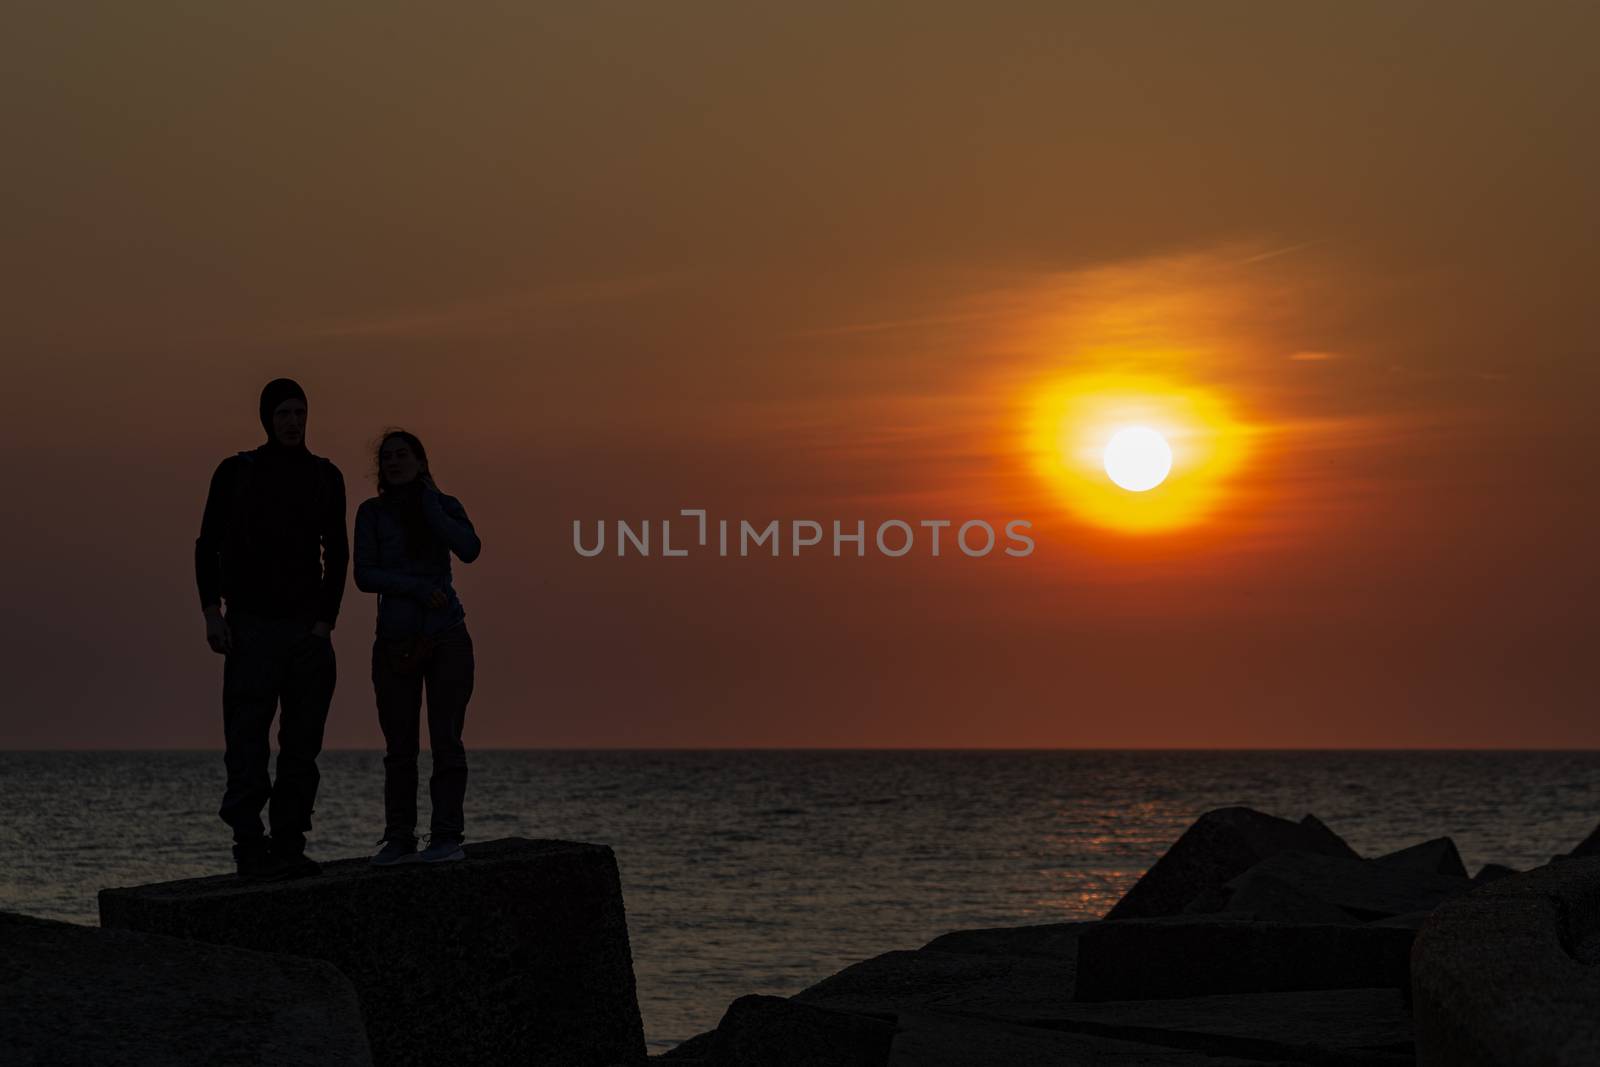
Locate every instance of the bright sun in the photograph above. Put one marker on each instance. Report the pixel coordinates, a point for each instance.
(1103, 441)
(1138, 459)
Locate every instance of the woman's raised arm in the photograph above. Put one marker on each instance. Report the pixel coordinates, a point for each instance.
(449, 520)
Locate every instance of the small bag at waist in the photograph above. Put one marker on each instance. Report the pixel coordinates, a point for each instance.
(404, 655)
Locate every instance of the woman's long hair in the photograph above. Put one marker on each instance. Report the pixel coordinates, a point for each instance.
(407, 499)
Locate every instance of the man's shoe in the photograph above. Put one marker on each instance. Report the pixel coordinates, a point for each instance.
(253, 857)
(442, 848)
(300, 866)
(396, 850)
(288, 862)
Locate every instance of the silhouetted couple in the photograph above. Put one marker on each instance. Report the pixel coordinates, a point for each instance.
(270, 563)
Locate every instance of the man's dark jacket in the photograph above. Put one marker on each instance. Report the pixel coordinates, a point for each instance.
(272, 539)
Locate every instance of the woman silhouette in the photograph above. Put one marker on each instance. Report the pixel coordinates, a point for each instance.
(403, 541)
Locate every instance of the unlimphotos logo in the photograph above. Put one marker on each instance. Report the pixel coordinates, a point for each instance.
(892, 537)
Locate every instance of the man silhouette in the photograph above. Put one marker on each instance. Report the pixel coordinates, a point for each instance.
(273, 548)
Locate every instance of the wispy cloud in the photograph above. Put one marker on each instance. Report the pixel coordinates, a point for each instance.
(1274, 253)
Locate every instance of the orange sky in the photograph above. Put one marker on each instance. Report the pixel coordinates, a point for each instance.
(821, 261)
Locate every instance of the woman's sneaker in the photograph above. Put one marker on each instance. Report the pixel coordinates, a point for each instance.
(442, 848)
(396, 850)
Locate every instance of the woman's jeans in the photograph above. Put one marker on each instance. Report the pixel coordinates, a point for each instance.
(399, 670)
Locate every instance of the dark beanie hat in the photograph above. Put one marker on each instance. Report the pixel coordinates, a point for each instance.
(277, 391)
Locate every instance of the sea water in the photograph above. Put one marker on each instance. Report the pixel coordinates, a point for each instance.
(765, 871)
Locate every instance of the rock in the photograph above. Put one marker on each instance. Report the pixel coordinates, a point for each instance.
(79, 994)
(517, 954)
(1365, 889)
(931, 1040)
(1491, 872)
(693, 1051)
(690, 1051)
(1438, 856)
(989, 1004)
(1344, 1026)
(1196, 956)
(1589, 846)
(1254, 895)
(1046, 940)
(1000, 986)
(1330, 843)
(1503, 977)
(761, 1031)
(1220, 845)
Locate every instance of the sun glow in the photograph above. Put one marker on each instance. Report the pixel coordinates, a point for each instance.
(1134, 453)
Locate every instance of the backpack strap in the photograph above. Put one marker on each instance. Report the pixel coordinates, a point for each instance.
(243, 477)
(325, 487)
